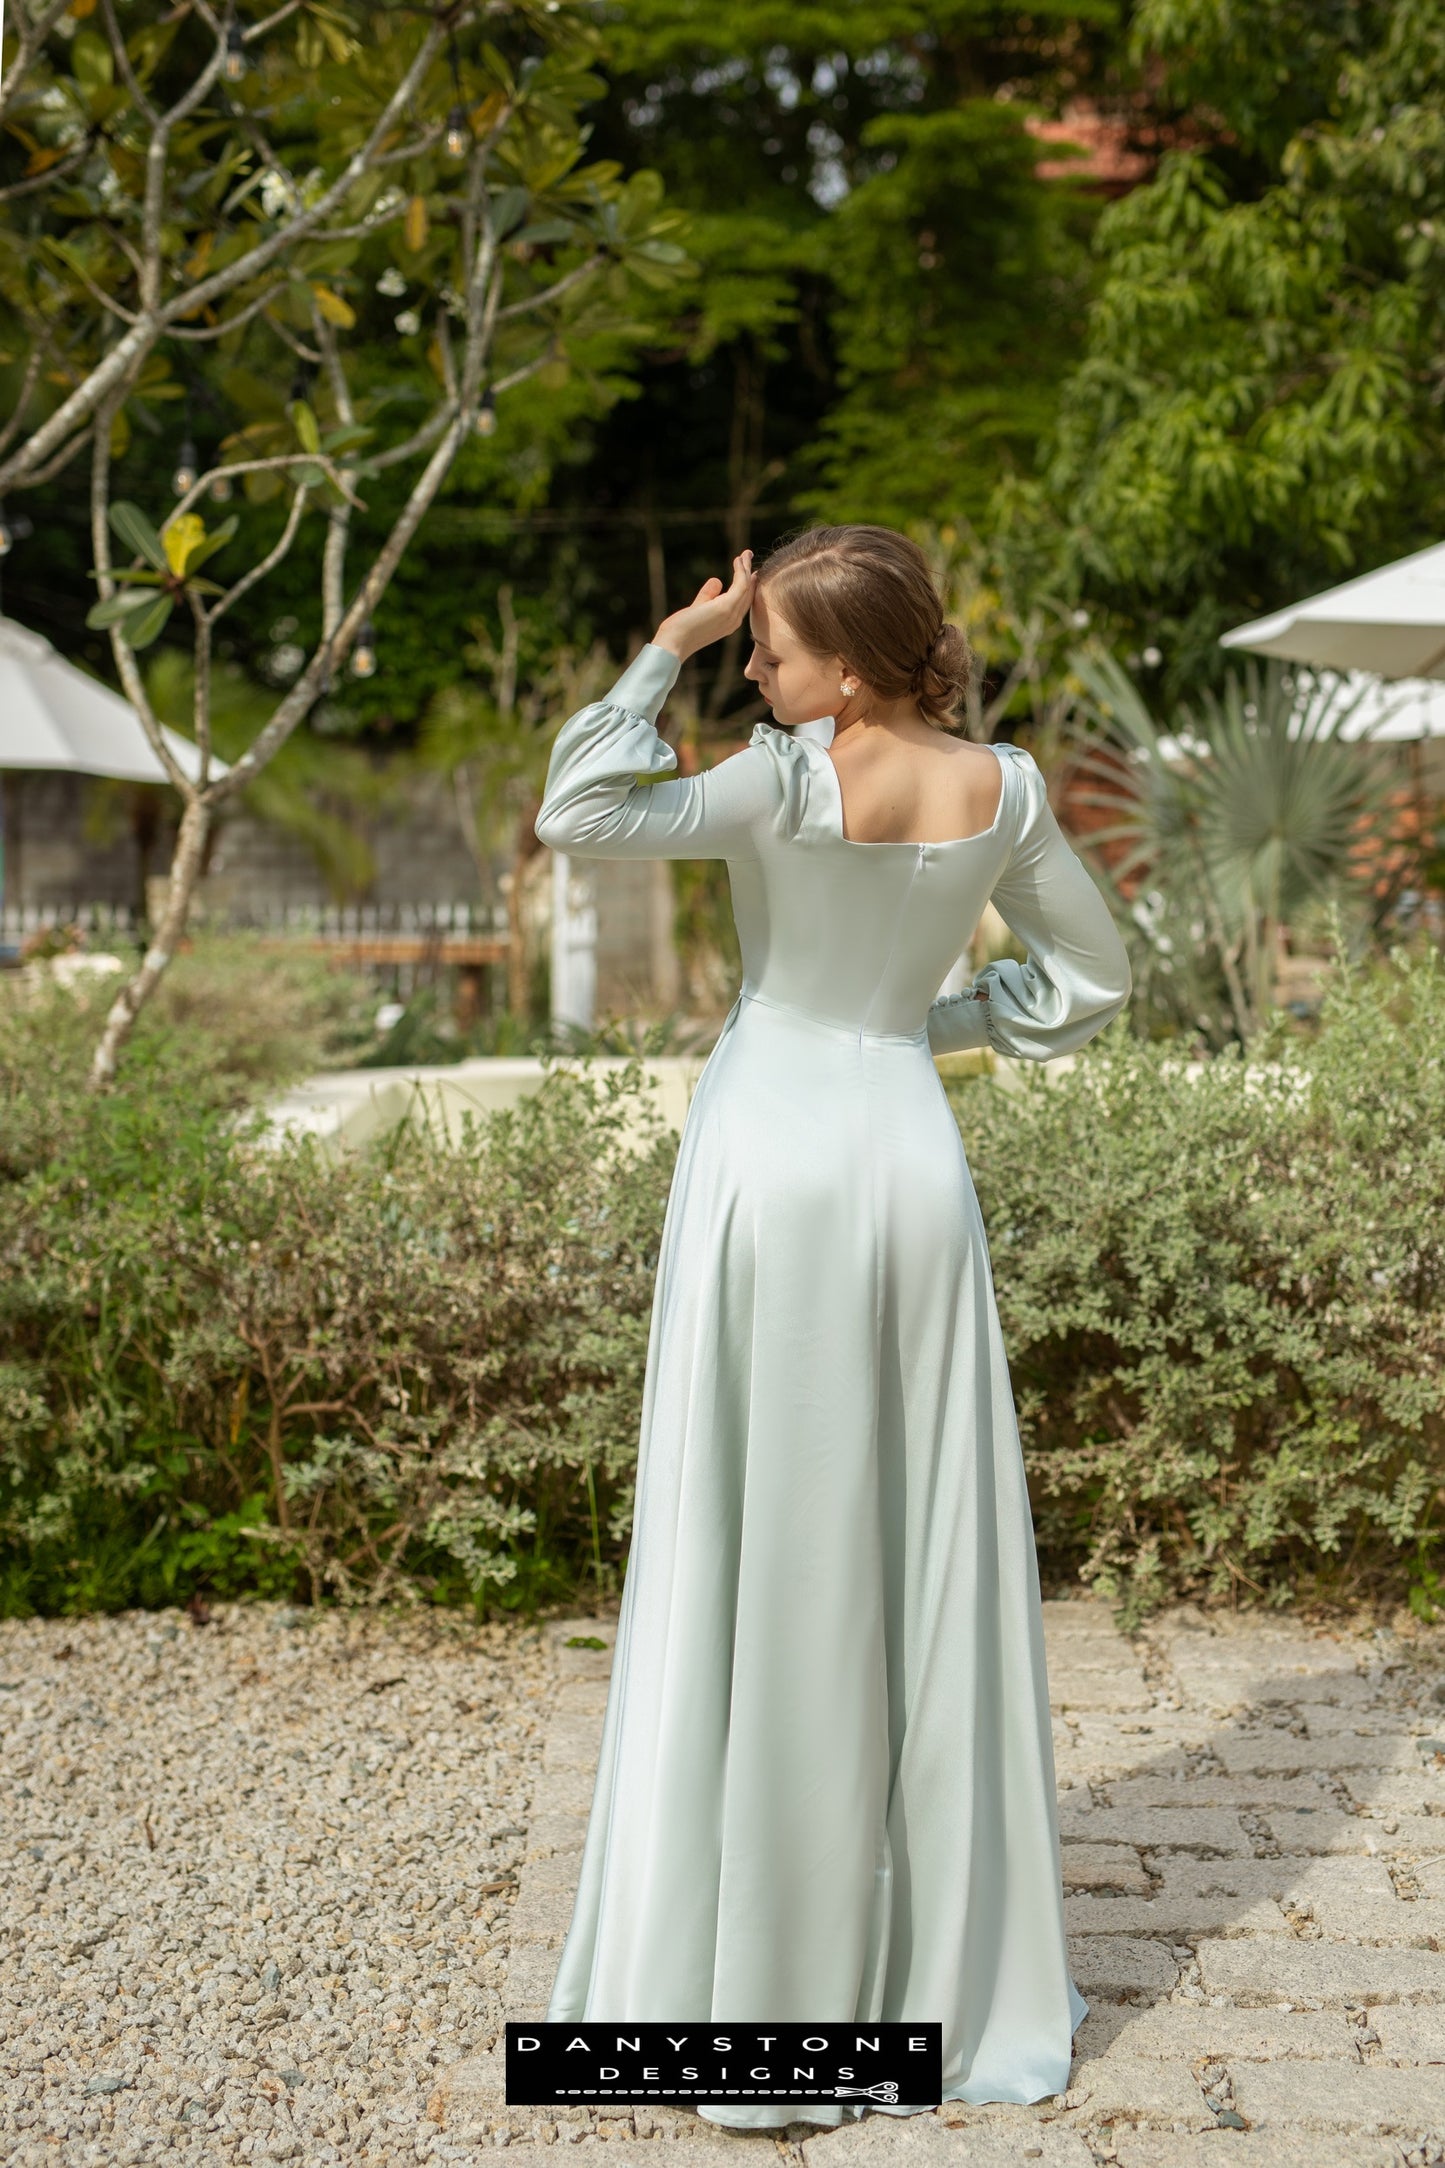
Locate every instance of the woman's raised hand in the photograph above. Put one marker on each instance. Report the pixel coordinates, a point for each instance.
(714, 611)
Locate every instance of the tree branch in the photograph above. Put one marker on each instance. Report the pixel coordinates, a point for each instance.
(122, 59)
(276, 465)
(32, 38)
(49, 177)
(269, 563)
(33, 366)
(307, 687)
(552, 292)
(156, 319)
(232, 323)
(125, 663)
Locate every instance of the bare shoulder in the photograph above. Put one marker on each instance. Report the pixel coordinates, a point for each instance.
(969, 775)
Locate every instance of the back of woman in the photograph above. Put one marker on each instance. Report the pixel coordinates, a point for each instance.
(826, 1785)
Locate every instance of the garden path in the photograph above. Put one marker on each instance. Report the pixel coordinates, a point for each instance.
(273, 1885)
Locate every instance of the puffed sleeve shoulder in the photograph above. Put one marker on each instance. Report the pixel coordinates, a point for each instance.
(612, 788)
(1076, 978)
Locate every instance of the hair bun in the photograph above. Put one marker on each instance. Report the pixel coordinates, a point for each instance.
(865, 598)
(943, 676)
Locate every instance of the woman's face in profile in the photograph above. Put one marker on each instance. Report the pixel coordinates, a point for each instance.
(798, 685)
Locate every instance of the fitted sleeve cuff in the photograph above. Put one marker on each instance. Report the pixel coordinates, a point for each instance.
(646, 682)
(957, 1023)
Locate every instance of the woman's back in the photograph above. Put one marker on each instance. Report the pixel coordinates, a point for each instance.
(934, 789)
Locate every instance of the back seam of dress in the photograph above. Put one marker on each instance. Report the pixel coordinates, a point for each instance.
(882, 1895)
(882, 980)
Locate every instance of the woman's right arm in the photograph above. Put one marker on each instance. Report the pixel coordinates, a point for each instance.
(612, 787)
(1077, 976)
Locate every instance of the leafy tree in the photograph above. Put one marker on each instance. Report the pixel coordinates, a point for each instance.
(888, 294)
(241, 182)
(1259, 409)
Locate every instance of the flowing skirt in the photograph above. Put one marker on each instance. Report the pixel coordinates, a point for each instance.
(826, 1783)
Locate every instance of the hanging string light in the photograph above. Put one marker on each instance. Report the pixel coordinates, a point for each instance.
(487, 413)
(459, 127)
(363, 655)
(221, 489)
(233, 67)
(184, 478)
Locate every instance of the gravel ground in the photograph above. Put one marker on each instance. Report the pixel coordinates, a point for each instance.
(255, 1877)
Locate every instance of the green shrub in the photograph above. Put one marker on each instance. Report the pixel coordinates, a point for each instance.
(1223, 1298)
(236, 1367)
(233, 1366)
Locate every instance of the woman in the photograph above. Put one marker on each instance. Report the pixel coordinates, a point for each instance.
(826, 1782)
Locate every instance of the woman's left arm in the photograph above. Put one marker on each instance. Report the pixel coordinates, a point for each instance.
(1077, 977)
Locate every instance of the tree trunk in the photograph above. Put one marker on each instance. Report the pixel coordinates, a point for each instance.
(524, 849)
(185, 871)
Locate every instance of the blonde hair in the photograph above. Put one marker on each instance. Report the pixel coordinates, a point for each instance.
(867, 594)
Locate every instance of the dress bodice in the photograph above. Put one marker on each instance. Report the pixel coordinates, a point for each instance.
(853, 934)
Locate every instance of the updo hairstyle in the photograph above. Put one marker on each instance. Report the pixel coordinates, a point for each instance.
(867, 594)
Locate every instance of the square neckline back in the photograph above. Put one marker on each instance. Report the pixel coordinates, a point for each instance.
(893, 843)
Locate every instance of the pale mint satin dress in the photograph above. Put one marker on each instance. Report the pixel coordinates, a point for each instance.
(826, 1782)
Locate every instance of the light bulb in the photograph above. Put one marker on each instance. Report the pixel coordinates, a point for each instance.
(363, 658)
(487, 414)
(459, 134)
(234, 65)
(7, 536)
(184, 478)
(221, 488)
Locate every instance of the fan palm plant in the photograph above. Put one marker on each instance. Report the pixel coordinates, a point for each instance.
(1245, 815)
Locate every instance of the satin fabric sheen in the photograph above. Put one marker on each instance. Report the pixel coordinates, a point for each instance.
(826, 1783)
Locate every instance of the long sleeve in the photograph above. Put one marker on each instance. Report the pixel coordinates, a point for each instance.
(612, 791)
(1077, 977)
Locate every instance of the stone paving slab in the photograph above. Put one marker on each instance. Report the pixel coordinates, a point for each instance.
(924, 2140)
(1328, 1975)
(1196, 2032)
(1256, 2149)
(1205, 1829)
(1105, 1866)
(1356, 2098)
(1412, 2033)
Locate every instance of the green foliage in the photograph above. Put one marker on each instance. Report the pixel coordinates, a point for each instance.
(418, 1371)
(888, 294)
(1244, 827)
(1222, 1288)
(419, 1359)
(1257, 411)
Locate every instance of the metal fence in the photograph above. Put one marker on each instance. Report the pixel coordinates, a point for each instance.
(402, 947)
(330, 921)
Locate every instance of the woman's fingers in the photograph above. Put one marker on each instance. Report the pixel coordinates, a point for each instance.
(740, 594)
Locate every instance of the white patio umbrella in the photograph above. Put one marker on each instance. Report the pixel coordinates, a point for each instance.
(1356, 705)
(52, 716)
(1390, 623)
